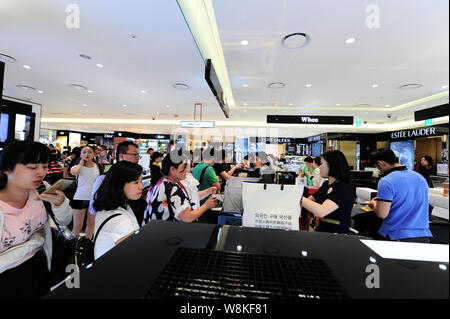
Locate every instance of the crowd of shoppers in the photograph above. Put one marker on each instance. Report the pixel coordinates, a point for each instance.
(182, 189)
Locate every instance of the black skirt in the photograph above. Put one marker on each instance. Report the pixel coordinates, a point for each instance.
(30, 280)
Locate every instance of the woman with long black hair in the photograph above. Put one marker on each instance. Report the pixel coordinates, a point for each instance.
(122, 183)
(26, 238)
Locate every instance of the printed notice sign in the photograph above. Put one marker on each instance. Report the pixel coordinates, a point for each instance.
(272, 207)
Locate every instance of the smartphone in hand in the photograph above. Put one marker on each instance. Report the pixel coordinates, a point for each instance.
(61, 185)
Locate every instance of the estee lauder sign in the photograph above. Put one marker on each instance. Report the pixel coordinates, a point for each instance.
(430, 131)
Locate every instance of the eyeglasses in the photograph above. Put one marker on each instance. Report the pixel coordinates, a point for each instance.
(133, 154)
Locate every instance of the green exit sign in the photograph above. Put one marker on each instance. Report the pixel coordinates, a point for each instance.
(429, 122)
(358, 122)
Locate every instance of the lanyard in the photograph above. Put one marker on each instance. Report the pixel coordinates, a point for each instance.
(187, 194)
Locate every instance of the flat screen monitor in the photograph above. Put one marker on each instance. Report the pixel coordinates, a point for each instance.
(4, 121)
(316, 149)
(442, 168)
(405, 152)
(214, 84)
(22, 129)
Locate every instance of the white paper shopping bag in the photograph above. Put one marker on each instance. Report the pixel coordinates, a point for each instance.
(271, 205)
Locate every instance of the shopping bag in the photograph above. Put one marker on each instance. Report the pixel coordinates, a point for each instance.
(271, 205)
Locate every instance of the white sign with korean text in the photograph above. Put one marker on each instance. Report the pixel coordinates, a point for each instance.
(272, 207)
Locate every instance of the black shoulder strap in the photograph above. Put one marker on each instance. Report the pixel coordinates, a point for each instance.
(203, 174)
(103, 224)
(168, 191)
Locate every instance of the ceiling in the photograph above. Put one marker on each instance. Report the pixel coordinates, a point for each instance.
(411, 45)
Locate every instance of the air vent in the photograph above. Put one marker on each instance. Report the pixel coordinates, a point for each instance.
(78, 87)
(276, 85)
(410, 86)
(208, 274)
(180, 86)
(7, 59)
(26, 87)
(84, 56)
(296, 40)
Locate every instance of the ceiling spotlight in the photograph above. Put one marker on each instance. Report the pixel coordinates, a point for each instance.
(90, 91)
(180, 86)
(350, 40)
(308, 85)
(338, 104)
(27, 67)
(85, 105)
(244, 42)
(26, 87)
(444, 87)
(125, 105)
(40, 91)
(295, 40)
(375, 85)
(84, 56)
(387, 105)
(167, 106)
(276, 85)
(290, 104)
(99, 65)
(245, 85)
(143, 91)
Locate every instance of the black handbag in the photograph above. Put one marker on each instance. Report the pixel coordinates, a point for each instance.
(67, 250)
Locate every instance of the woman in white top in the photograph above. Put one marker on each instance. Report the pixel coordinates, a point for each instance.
(122, 183)
(86, 171)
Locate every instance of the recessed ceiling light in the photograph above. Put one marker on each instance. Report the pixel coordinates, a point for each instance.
(308, 85)
(180, 86)
(387, 105)
(290, 104)
(144, 91)
(90, 91)
(245, 85)
(350, 40)
(338, 104)
(444, 87)
(40, 91)
(167, 106)
(125, 105)
(244, 42)
(295, 40)
(27, 67)
(276, 85)
(375, 85)
(26, 87)
(85, 105)
(85, 56)
(78, 87)
(99, 65)
(7, 59)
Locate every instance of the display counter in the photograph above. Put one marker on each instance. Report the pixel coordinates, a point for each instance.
(193, 260)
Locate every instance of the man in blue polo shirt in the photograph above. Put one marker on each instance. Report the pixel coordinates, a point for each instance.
(402, 200)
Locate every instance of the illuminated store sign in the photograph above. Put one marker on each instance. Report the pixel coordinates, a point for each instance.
(307, 119)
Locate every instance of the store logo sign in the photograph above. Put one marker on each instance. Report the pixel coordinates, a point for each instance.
(414, 133)
(307, 119)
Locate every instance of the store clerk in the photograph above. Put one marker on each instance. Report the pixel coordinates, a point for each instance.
(333, 202)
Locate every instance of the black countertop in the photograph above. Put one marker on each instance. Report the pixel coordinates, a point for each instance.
(130, 269)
